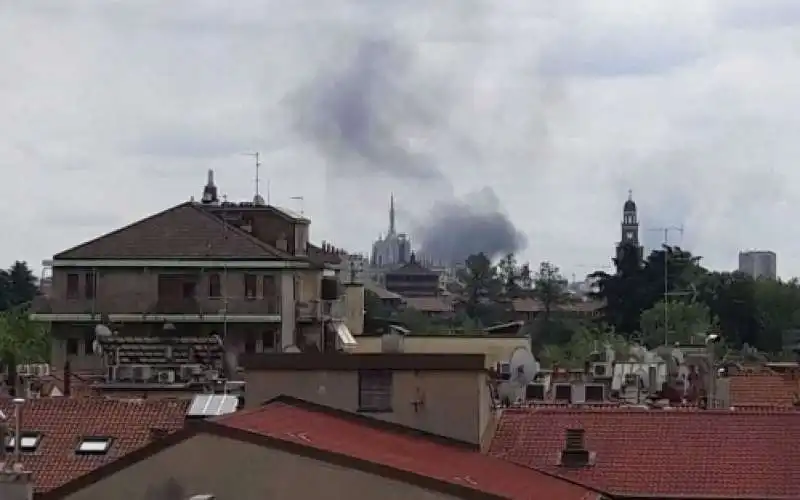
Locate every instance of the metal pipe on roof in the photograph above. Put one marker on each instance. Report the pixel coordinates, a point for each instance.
(18, 402)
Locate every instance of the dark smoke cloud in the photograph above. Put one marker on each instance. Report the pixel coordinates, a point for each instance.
(361, 117)
(474, 224)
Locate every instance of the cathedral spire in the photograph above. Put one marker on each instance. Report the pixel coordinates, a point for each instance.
(391, 215)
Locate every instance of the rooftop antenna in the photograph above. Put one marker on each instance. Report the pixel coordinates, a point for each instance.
(302, 203)
(666, 230)
(257, 199)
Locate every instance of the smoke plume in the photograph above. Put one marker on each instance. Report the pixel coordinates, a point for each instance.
(377, 113)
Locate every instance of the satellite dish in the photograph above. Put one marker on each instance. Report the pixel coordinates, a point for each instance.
(523, 367)
(102, 331)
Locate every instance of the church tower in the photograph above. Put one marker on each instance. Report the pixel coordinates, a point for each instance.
(630, 228)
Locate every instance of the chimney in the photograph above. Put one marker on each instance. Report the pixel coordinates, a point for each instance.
(67, 379)
(575, 454)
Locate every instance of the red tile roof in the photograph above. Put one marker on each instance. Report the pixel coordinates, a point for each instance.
(63, 422)
(663, 453)
(763, 389)
(356, 438)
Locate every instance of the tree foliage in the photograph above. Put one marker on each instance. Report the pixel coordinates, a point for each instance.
(21, 340)
(759, 313)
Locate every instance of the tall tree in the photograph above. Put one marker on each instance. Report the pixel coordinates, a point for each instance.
(622, 291)
(18, 285)
(525, 278)
(550, 288)
(675, 321)
(508, 274)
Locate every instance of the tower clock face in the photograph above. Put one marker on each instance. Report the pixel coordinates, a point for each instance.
(629, 235)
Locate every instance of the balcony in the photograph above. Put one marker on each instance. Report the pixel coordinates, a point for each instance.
(316, 310)
(149, 305)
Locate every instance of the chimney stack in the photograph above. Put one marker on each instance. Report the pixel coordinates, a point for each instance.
(15, 482)
(575, 454)
(67, 379)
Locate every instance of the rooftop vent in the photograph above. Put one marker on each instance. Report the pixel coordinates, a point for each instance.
(575, 454)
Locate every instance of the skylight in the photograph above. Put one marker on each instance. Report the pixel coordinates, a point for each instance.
(94, 446)
(28, 442)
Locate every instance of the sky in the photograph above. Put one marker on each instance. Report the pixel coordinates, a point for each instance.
(532, 117)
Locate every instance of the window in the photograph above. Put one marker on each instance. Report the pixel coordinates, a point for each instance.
(595, 393)
(214, 286)
(250, 285)
(88, 340)
(94, 446)
(375, 390)
(270, 287)
(91, 280)
(250, 344)
(189, 288)
(563, 392)
(73, 286)
(72, 347)
(268, 340)
(28, 442)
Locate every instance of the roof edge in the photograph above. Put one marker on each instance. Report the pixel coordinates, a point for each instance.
(61, 255)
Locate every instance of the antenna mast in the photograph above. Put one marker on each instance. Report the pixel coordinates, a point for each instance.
(257, 156)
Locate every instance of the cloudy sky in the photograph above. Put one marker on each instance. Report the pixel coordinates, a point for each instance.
(544, 112)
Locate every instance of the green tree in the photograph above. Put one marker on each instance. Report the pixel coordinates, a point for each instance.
(22, 340)
(684, 321)
(508, 275)
(525, 278)
(731, 298)
(482, 291)
(550, 289)
(622, 291)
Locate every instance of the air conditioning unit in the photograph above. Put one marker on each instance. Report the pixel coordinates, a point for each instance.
(503, 370)
(166, 377)
(141, 373)
(189, 372)
(601, 369)
(41, 369)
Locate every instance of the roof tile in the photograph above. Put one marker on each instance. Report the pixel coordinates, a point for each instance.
(425, 457)
(763, 389)
(668, 454)
(183, 231)
(63, 422)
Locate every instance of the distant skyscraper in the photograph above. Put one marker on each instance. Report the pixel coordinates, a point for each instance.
(630, 228)
(759, 264)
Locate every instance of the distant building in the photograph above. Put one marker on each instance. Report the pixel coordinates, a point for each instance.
(630, 228)
(758, 264)
(394, 248)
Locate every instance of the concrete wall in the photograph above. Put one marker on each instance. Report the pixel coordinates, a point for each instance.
(231, 469)
(456, 403)
(495, 348)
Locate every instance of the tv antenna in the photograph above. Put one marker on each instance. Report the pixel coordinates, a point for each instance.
(257, 199)
(301, 202)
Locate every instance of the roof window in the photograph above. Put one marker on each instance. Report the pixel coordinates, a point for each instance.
(29, 441)
(94, 445)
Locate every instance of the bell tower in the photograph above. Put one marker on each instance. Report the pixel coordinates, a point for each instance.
(630, 228)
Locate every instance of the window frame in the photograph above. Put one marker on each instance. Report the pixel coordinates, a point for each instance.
(90, 285)
(375, 391)
(73, 292)
(30, 448)
(84, 440)
(248, 288)
(214, 285)
(72, 341)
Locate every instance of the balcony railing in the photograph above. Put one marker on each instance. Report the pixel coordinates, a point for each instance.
(132, 303)
(317, 310)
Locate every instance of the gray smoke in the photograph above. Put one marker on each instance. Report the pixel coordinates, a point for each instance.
(474, 224)
(363, 116)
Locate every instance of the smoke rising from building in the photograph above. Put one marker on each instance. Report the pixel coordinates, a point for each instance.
(369, 113)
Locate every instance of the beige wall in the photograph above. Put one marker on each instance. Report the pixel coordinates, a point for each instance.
(232, 469)
(453, 400)
(495, 348)
(136, 290)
